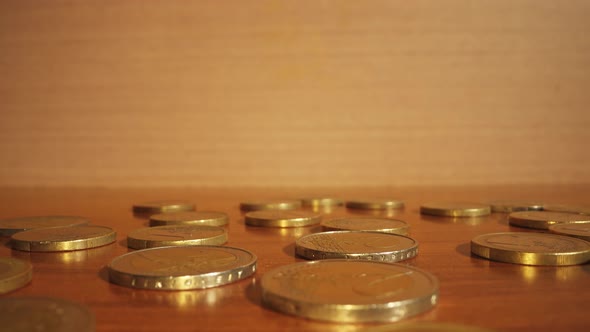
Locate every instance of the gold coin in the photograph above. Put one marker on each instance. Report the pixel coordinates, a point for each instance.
(373, 246)
(458, 209)
(205, 218)
(278, 218)
(568, 208)
(349, 291)
(175, 235)
(513, 206)
(182, 267)
(14, 274)
(321, 202)
(15, 225)
(579, 230)
(163, 207)
(531, 248)
(544, 219)
(63, 238)
(375, 204)
(270, 205)
(386, 225)
(44, 314)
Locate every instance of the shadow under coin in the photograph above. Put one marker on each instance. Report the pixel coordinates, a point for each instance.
(464, 249)
(290, 250)
(64, 257)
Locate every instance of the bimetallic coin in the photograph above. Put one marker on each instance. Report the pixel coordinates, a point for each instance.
(567, 208)
(374, 246)
(14, 274)
(581, 230)
(14, 225)
(163, 207)
(205, 218)
(513, 206)
(544, 219)
(321, 202)
(458, 209)
(531, 248)
(176, 235)
(23, 314)
(349, 291)
(271, 205)
(386, 225)
(63, 238)
(375, 204)
(182, 267)
(278, 218)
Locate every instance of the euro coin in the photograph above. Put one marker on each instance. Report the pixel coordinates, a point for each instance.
(349, 291)
(375, 204)
(386, 225)
(204, 218)
(531, 248)
(175, 235)
(163, 207)
(458, 209)
(581, 230)
(14, 274)
(182, 267)
(375, 246)
(15, 225)
(277, 218)
(567, 208)
(321, 202)
(63, 238)
(513, 206)
(544, 219)
(270, 205)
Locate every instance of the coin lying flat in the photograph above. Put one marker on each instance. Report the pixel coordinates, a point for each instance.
(63, 238)
(163, 207)
(374, 246)
(375, 204)
(14, 274)
(581, 230)
(427, 327)
(270, 205)
(513, 206)
(544, 219)
(14, 225)
(458, 209)
(349, 291)
(175, 235)
(278, 218)
(567, 208)
(205, 218)
(321, 202)
(44, 314)
(376, 224)
(531, 248)
(181, 268)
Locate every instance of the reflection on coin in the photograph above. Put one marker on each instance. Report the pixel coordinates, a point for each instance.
(14, 274)
(321, 201)
(44, 314)
(205, 218)
(386, 225)
(270, 205)
(63, 238)
(513, 206)
(163, 207)
(278, 218)
(14, 225)
(183, 267)
(531, 248)
(375, 204)
(375, 246)
(426, 327)
(455, 209)
(176, 235)
(544, 219)
(579, 230)
(349, 291)
(567, 208)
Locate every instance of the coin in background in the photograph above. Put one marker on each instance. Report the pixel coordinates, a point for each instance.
(176, 235)
(386, 225)
(270, 205)
(375, 204)
(567, 208)
(544, 219)
(15, 225)
(321, 202)
(163, 207)
(277, 218)
(14, 274)
(205, 218)
(513, 206)
(63, 238)
(455, 209)
(579, 230)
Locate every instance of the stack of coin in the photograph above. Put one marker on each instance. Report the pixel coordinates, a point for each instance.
(288, 204)
(9, 227)
(375, 204)
(544, 219)
(14, 274)
(63, 238)
(376, 224)
(455, 209)
(175, 235)
(278, 218)
(204, 218)
(167, 206)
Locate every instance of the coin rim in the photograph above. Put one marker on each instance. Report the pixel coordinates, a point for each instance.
(16, 279)
(377, 204)
(287, 204)
(135, 242)
(321, 202)
(144, 208)
(553, 230)
(482, 210)
(514, 206)
(65, 245)
(311, 219)
(10, 231)
(405, 230)
(221, 220)
(542, 224)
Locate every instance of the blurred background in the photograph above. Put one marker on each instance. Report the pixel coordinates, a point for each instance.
(294, 93)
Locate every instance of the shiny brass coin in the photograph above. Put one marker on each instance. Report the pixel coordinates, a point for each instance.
(386, 225)
(375, 204)
(321, 202)
(176, 235)
(579, 230)
(204, 218)
(44, 314)
(373, 246)
(458, 209)
(531, 248)
(544, 219)
(182, 267)
(14, 274)
(163, 207)
(513, 206)
(567, 208)
(277, 218)
(63, 238)
(271, 205)
(15, 225)
(349, 291)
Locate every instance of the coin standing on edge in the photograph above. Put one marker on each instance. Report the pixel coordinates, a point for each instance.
(270, 205)
(455, 209)
(374, 246)
(513, 206)
(163, 207)
(63, 238)
(349, 291)
(321, 202)
(544, 219)
(386, 225)
(579, 230)
(205, 218)
(176, 235)
(531, 248)
(182, 267)
(375, 204)
(15, 225)
(285, 218)
(14, 274)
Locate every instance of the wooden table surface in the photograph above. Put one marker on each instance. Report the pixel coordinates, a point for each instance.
(473, 291)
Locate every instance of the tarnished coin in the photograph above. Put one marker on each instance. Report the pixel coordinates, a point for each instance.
(163, 207)
(544, 219)
(349, 291)
(14, 274)
(567, 208)
(531, 248)
(508, 206)
(278, 218)
(176, 235)
(455, 209)
(375, 204)
(23, 314)
(321, 202)
(63, 238)
(579, 230)
(270, 205)
(14, 225)
(375, 246)
(182, 267)
(386, 225)
(205, 218)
